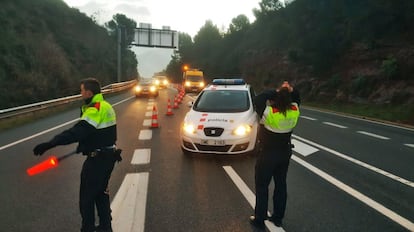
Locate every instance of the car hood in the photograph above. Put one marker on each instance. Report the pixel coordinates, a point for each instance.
(225, 120)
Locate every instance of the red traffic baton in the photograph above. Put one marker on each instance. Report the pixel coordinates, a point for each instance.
(51, 162)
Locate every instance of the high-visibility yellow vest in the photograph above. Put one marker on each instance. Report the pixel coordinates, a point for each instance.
(99, 113)
(275, 121)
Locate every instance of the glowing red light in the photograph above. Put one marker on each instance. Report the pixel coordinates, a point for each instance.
(51, 162)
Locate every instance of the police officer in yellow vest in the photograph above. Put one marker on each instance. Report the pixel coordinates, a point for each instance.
(277, 122)
(96, 135)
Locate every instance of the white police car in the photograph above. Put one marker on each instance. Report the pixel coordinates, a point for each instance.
(222, 120)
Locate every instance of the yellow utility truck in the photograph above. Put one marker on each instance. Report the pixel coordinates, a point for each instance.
(193, 80)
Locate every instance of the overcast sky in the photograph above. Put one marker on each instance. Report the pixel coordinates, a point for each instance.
(181, 15)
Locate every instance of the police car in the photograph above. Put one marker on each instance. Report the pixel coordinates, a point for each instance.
(222, 119)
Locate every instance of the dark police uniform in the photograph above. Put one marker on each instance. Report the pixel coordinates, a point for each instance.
(273, 161)
(96, 134)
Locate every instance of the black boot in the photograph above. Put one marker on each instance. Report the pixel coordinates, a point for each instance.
(259, 224)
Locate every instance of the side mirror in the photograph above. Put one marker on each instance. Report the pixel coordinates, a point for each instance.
(190, 104)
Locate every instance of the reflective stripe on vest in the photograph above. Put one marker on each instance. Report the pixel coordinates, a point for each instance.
(276, 122)
(99, 114)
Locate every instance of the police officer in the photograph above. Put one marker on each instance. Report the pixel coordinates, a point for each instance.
(277, 122)
(96, 135)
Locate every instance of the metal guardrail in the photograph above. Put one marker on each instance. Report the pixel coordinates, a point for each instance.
(20, 110)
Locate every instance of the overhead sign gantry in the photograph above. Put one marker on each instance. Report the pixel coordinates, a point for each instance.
(146, 36)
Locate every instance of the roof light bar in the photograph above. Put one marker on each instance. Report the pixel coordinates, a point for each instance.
(229, 82)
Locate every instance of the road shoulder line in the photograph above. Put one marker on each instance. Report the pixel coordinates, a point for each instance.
(358, 195)
(249, 195)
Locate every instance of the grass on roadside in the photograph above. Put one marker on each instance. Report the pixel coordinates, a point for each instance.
(402, 114)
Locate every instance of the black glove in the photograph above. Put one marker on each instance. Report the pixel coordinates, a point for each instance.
(41, 148)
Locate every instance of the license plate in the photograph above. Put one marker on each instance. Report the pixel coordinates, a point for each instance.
(213, 142)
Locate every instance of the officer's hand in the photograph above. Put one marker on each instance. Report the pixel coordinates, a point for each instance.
(41, 148)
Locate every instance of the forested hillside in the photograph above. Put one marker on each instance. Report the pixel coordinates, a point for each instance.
(337, 53)
(46, 47)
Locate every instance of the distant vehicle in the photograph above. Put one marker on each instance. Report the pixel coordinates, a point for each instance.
(193, 80)
(161, 81)
(146, 88)
(222, 120)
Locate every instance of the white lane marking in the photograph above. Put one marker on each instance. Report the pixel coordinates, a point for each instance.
(150, 100)
(50, 129)
(141, 156)
(149, 107)
(409, 145)
(358, 195)
(373, 135)
(145, 135)
(128, 206)
(309, 118)
(360, 163)
(360, 118)
(335, 125)
(248, 194)
(147, 122)
(117, 103)
(303, 148)
(38, 134)
(148, 114)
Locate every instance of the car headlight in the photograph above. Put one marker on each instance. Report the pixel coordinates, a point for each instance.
(187, 83)
(157, 82)
(138, 89)
(189, 128)
(242, 130)
(165, 82)
(201, 84)
(153, 88)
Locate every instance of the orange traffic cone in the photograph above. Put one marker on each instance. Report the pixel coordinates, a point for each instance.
(169, 111)
(154, 119)
(175, 103)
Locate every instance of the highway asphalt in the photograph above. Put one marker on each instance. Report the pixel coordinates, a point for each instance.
(346, 174)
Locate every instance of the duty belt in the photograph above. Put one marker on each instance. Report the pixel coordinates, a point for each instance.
(103, 150)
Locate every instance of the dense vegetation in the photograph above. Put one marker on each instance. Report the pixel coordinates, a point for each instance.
(47, 47)
(336, 52)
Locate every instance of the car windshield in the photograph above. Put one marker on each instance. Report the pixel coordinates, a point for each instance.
(222, 101)
(194, 78)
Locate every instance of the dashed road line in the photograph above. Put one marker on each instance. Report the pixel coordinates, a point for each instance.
(373, 135)
(148, 114)
(309, 118)
(358, 195)
(129, 204)
(335, 125)
(145, 135)
(360, 163)
(147, 122)
(249, 195)
(409, 145)
(141, 156)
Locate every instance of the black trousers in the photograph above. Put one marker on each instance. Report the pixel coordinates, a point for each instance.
(95, 175)
(272, 162)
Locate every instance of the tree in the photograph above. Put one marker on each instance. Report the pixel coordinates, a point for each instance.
(121, 21)
(239, 23)
(127, 27)
(206, 43)
(267, 6)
